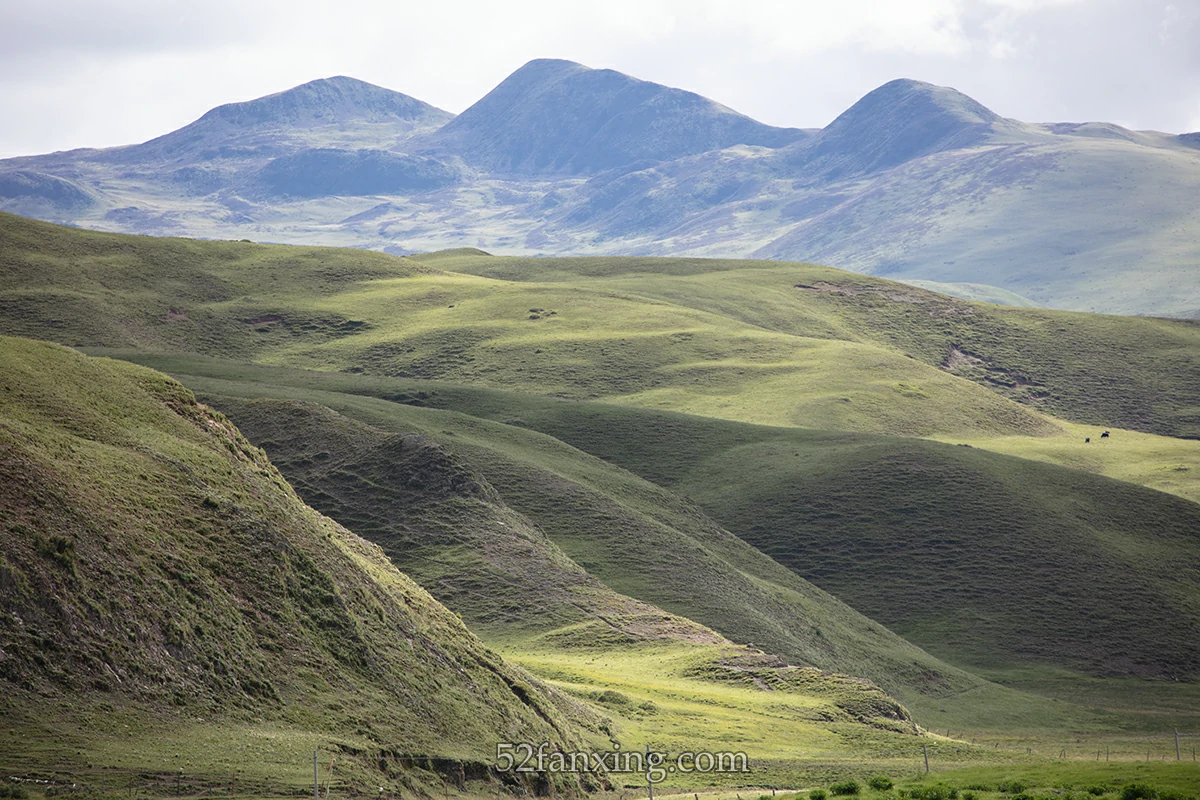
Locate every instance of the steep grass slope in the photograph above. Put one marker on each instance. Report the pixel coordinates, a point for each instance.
(441, 522)
(157, 569)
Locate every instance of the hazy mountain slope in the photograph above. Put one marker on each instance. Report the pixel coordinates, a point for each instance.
(326, 171)
(559, 117)
(330, 107)
(899, 121)
(913, 181)
(55, 196)
(222, 154)
(153, 559)
(1074, 222)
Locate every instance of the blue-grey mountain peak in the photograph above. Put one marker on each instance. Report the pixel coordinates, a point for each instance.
(259, 126)
(901, 120)
(560, 117)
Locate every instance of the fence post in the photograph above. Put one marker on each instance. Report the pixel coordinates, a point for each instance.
(1177, 744)
(316, 779)
(925, 751)
(649, 783)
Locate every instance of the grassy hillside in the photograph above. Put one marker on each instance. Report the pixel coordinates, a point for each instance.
(798, 346)
(955, 547)
(635, 537)
(171, 605)
(438, 519)
(979, 558)
(158, 573)
(731, 339)
(1157, 462)
(599, 516)
(1138, 373)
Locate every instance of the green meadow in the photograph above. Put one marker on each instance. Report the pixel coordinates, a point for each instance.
(825, 519)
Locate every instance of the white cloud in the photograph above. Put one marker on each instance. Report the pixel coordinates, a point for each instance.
(101, 73)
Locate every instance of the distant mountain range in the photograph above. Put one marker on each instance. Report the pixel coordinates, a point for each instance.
(914, 181)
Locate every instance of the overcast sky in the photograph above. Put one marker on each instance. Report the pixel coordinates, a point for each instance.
(88, 73)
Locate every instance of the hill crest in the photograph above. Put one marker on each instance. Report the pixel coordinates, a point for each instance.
(559, 117)
(901, 120)
(326, 102)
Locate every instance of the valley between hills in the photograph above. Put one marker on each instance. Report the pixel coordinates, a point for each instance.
(262, 500)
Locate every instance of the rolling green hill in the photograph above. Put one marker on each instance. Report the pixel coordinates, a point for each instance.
(954, 547)
(846, 368)
(1138, 373)
(170, 605)
(751, 341)
(633, 536)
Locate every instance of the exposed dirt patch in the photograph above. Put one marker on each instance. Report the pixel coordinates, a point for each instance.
(938, 305)
(1012, 383)
(265, 319)
(957, 359)
(302, 325)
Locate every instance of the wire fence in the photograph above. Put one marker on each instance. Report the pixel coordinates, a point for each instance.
(940, 748)
(121, 784)
(1178, 746)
